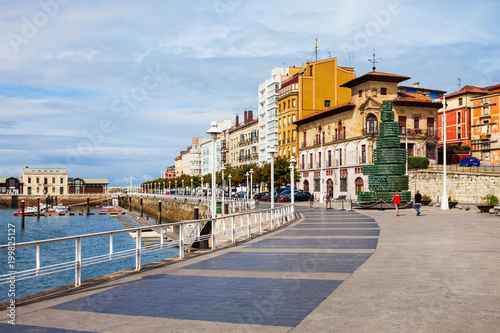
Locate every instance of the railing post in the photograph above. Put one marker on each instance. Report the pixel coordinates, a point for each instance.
(213, 234)
(272, 219)
(261, 222)
(249, 226)
(181, 241)
(37, 259)
(110, 246)
(138, 251)
(78, 262)
(162, 236)
(233, 229)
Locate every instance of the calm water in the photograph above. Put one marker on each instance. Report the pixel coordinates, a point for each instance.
(63, 226)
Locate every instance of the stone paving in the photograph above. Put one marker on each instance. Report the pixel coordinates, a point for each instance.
(363, 271)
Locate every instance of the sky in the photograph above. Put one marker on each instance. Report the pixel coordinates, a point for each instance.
(117, 89)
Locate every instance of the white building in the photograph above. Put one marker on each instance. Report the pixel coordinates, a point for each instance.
(191, 158)
(268, 113)
(206, 148)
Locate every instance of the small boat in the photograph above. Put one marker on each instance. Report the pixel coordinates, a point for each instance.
(28, 211)
(57, 209)
(113, 215)
(110, 209)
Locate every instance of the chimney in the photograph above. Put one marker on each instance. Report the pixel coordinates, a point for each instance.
(416, 84)
(237, 120)
(245, 116)
(250, 114)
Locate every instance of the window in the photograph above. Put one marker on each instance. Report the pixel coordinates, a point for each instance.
(430, 126)
(288, 120)
(459, 117)
(53, 190)
(29, 180)
(363, 153)
(37, 180)
(306, 185)
(340, 157)
(460, 101)
(316, 185)
(360, 93)
(288, 103)
(327, 103)
(459, 132)
(310, 161)
(329, 158)
(343, 184)
(53, 180)
(359, 185)
(371, 124)
(416, 122)
(402, 125)
(293, 102)
(45, 181)
(383, 91)
(319, 160)
(303, 166)
(293, 118)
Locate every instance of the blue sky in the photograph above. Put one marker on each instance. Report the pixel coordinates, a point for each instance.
(117, 88)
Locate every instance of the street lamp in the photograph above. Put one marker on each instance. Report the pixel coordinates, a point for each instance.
(169, 182)
(191, 186)
(213, 131)
(321, 199)
(223, 194)
(292, 185)
(183, 188)
(272, 152)
(176, 190)
(230, 176)
(444, 199)
(251, 185)
(201, 186)
(247, 174)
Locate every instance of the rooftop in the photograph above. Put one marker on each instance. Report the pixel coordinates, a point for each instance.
(375, 76)
(325, 113)
(61, 171)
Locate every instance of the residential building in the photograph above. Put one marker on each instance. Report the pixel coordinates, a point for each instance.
(317, 86)
(336, 142)
(88, 185)
(45, 181)
(485, 120)
(169, 172)
(220, 150)
(178, 165)
(268, 110)
(191, 158)
(244, 141)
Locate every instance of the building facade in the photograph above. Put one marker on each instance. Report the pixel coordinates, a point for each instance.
(313, 88)
(45, 181)
(243, 146)
(11, 185)
(335, 143)
(178, 165)
(169, 172)
(88, 185)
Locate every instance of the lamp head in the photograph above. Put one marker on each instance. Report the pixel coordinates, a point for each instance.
(214, 130)
(271, 151)
(251, 171)
(293, 160)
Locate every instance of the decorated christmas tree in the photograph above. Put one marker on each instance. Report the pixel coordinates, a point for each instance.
(387, 174)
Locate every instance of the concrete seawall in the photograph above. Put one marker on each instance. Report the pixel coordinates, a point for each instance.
(14, 201)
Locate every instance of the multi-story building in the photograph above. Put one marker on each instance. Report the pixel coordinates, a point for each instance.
(268, 110)
(11, 185)
(220, 151)
(169, 172)
(335, 143)
(485, 133)
(243, 147)
(45, 181)
(178, 165)
(315, 87)
(191, 158)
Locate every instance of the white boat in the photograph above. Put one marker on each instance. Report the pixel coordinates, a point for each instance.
(57, 209)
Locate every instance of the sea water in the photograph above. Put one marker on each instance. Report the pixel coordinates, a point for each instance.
(57, 227)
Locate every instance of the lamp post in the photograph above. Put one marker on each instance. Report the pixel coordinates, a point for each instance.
(222, 182)
(247, 174)
(176, 189)
(321, 167)
(230, 176)
(213, 131)
(201, 186)
(272, 152)
(444, 200)
(169, 182)
(251, 185)
(183, 188)
(191, 186)
(292, 185)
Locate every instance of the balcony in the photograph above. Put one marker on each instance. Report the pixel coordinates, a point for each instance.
(339, 136)
(370, 131)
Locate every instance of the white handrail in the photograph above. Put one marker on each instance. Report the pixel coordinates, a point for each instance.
(279, 215)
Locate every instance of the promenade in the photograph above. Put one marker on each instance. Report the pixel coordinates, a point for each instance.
(331, 271)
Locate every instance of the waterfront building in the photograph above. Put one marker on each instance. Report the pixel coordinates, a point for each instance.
(169, 172)
(220, 143)
(243, 144)
(191, 157)
(11, 185)
(268, 110)
(88, 185)
(314, 87)
(336, 142)
(178, 165)
(48, 181)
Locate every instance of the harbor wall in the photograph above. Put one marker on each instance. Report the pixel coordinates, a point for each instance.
(71, 200)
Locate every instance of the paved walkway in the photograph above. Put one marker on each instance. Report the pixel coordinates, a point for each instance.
(438, 272)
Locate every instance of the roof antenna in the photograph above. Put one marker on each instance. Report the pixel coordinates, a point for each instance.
(374, 60)
(316, 49)
(459, 83)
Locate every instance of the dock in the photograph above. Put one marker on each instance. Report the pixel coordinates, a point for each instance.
(79, 213)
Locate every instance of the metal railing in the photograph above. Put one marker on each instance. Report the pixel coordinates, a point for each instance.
(226, 228)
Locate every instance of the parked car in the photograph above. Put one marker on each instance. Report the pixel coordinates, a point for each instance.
(261, 195)
(470, 161)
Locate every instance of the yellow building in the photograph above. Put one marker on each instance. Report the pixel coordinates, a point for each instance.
(307, 90)
(46, 181)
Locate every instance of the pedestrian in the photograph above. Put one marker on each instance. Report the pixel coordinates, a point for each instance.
(396, 200)
(418, 202)
(327, 200)
(311, 201)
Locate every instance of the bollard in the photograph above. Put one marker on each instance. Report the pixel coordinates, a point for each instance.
(159, 211)
(196, 212)
(342, 204)
(351, 206)
(381, 209)
(38, 207)
(88, 206)
(56, 200)
(47, 202)
(51, 201)
(130, 203)
(22, 214)
(141, 208)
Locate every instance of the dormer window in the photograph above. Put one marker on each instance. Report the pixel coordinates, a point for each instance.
(383, 91)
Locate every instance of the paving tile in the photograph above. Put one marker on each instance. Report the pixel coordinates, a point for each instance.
(285, 262)
(336, 225)
(332, 232)
(5, 328)
(259, 301)
(316, 243)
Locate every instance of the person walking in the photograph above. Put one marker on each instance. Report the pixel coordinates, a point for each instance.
(311, 201)
(396, 200)
(418, 202)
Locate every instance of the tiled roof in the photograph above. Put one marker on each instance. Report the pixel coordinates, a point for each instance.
(102, 181)
(61, 171)
(375, 76)
(468, 89)
(411, 99)
(325, 113)
(423, 89)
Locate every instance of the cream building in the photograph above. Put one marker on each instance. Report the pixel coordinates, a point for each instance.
(335, 143)
(243, 141)
(45, 181)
